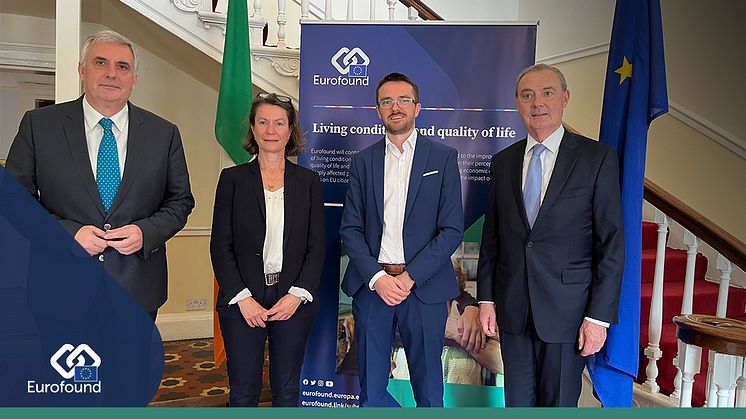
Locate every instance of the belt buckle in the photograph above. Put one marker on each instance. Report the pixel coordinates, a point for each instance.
(271, 278)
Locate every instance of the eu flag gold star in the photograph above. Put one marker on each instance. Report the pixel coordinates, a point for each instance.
(624, 71)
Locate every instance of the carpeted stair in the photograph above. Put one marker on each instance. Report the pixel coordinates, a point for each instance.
(705, 302)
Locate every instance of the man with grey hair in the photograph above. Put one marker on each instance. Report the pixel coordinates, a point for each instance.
(113, 174)
(552, 253)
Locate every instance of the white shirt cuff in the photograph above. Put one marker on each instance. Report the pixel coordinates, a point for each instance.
(301, 293)
(598, 322)
(486, 302)
(243, 294)
(375, 278)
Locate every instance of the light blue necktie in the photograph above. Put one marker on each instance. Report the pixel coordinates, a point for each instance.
(107, 165)
(532, 186)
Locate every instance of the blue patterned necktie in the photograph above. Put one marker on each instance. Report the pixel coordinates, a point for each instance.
(532, 186)
(107, 165)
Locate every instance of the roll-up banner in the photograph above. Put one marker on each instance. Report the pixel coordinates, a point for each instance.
(466, 77)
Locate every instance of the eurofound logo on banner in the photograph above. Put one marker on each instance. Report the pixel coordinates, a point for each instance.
(352, 66)
(79, 364)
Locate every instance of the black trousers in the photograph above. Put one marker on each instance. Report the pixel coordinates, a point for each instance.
(244, 347)
(538, 373)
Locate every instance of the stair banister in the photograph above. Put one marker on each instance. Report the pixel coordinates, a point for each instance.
(706, 231)
(726, 340)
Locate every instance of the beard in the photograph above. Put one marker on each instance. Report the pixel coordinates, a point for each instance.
(399, 127)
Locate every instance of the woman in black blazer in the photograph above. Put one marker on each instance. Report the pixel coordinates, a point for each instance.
(267, 249)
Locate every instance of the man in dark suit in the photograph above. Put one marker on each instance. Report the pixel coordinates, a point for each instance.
(552, 251)
(114, 175)
(402, 220)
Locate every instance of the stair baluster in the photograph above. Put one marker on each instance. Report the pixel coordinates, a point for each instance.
(282, 20)
(257, 9)
(725, 269)
(304, 9)
(392, 5)
(350, 11)
(328, 10)
(741, 384)
(692, 244)
(655, 325)
(724, 379)
(412, 13)
(690, 357)
(724, 266)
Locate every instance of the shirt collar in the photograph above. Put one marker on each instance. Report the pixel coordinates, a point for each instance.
(408, 144)
(552, 143)
(92, 116)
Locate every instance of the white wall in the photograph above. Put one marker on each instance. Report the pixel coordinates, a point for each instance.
(17, 91)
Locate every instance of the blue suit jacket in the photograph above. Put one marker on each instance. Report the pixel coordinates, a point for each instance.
(433, 219)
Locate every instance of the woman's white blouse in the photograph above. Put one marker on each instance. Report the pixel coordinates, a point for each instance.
(274, 203)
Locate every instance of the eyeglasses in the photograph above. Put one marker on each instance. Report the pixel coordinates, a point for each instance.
(403, 102)
(274, 96)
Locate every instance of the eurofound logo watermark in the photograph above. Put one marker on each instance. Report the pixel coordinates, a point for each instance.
(79, 364)
(352, 66)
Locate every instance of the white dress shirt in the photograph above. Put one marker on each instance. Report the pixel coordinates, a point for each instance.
(274, 204)
(548, 159)
(397, 168)
(95, 132)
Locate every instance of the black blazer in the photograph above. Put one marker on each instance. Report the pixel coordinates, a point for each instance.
(570, 264)
(238, 229)
(49, 157)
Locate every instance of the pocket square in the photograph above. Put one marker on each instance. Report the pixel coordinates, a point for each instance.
(432, 172)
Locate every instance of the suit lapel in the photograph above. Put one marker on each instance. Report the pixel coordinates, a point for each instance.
(289, 200)
(566, 159)
(419, 162)
(516, 179)
(377, 173)
(136, 148)
(74, 127)
(256, 182)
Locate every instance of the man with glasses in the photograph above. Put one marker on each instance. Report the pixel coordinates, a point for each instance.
(402, 220)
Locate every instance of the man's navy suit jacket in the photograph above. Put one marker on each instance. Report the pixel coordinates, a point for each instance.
(570, 264)
(49, 157)
(433, 219)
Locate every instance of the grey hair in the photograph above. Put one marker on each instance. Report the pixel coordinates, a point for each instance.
(110, 37)
(540, 67)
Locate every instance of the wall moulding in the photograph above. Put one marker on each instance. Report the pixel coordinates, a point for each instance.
(27, 57)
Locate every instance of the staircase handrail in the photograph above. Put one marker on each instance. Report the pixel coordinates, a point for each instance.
(718, 238)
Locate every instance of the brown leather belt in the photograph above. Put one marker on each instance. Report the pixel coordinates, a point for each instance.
(393, 269)
(271, 278)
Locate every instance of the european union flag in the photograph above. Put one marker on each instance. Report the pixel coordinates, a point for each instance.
(85, 374)
(634, 95)
(358, 70)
